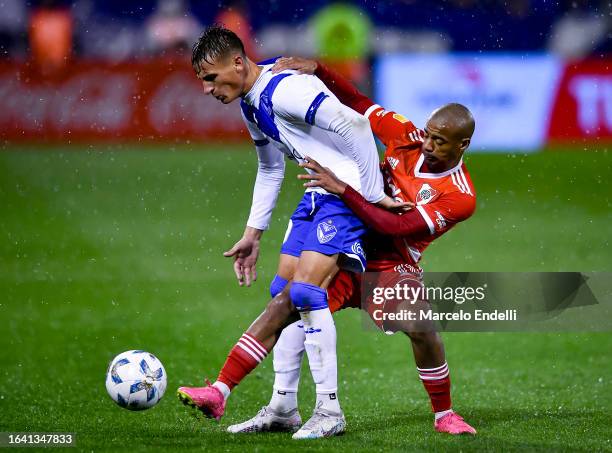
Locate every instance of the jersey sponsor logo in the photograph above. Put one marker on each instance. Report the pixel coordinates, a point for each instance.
(393, 162)
(406, 268)
(440, 220)
(381, 112)
(311, 330)
(358, 249)
(425, 194)
(400, 118)
(326, 231)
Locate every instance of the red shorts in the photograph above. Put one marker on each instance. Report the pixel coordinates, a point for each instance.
(351, 290)
(344, 291)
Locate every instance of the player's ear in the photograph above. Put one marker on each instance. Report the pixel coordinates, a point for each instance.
(465, 143)
(239, 63)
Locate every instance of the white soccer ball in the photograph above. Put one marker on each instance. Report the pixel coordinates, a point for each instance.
(136, 380)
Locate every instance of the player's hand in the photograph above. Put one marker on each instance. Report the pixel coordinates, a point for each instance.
(321, 177)
(392, 205)
(301, 65)
(245, 253)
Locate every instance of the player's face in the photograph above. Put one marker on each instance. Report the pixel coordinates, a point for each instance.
(224, 78)
(441, 147)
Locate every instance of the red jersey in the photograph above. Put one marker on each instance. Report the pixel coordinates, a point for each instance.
(442, 199)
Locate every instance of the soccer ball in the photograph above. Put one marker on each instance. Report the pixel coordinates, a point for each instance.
(136, 380)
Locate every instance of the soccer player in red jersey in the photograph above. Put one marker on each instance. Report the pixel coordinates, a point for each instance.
(421, 167)
(424, 167)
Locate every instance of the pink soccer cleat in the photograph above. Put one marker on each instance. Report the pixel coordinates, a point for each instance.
(209, 400)
(453, 424)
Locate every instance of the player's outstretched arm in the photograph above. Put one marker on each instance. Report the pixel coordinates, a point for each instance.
(270, 174)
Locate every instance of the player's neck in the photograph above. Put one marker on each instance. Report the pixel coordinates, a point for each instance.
(254, 72)
(453, 164)
(428, 169)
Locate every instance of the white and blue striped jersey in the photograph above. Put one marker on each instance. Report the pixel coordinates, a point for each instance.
(296, 115)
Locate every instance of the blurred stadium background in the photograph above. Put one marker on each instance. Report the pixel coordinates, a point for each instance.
(121, 184)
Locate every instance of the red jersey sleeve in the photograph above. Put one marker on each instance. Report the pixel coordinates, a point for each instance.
(448, 210)
(381, 220)
(344, 90)
(391, 126)
(387, 126)
(436, 217)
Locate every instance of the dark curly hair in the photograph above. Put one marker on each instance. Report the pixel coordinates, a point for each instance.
(216, 41)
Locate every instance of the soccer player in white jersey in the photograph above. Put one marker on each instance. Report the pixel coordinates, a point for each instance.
(292, 115)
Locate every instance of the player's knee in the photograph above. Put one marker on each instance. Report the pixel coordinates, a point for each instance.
(281, 304)
(277, 285)
(307, 297)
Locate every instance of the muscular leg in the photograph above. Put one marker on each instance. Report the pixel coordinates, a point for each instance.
(428, 349)
(430, 360)
(278, 314)
(265, 331)
(316, 269)
(287, 265)
(252, 347)
(308, 293)
(433, 370)
(434, 373)
(289, 348)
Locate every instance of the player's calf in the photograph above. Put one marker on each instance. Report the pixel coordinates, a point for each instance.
(437, 383)
(320, 341)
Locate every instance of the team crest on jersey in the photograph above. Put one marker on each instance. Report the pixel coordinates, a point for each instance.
(393, 162)
(425, 194)
(326, 231)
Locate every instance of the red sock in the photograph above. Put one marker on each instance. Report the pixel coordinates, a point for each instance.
(242, 359)
(437, 384)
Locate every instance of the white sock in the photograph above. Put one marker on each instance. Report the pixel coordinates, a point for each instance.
(439, 415)
(328, 401)
(320, 346)
(224, 389)
(283, 402)
(287, 361)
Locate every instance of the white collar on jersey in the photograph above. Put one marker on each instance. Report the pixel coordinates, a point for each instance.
(419, 164)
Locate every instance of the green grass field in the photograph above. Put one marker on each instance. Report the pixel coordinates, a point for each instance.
(108, 249)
